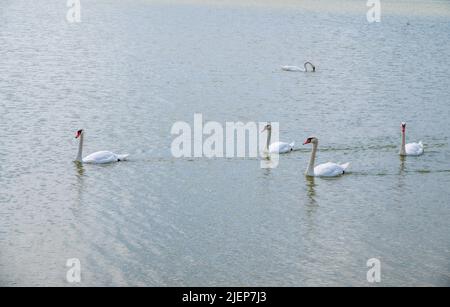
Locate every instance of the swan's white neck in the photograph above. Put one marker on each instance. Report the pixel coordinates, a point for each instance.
(312, 161)
(269, 136)
(80, 149)
(403, 148)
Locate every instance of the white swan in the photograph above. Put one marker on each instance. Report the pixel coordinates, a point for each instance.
(99, 157)
(323, 170)
(296, 68)
(411, 149)
(277, 147)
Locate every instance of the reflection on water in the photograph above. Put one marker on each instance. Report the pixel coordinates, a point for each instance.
(311, 192)
(131, 69)
(269, 161)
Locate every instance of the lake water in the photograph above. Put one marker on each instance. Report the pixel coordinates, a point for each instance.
(131, 69)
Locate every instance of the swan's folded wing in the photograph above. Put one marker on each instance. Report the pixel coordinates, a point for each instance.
(100, 157)
(279, 147)
(328, 170)
(414, 149)
(421, 147)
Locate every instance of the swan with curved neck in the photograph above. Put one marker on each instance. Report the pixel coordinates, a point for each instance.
(99, 157)
(411, 149)
(323, 170)
(277, 147)
(296, 68)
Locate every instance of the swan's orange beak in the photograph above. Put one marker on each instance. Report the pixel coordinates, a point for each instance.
(78, 134)
(307, 141)
(403, 127)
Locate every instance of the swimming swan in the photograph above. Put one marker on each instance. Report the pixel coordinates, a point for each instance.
(323, 170)
(296, 68)
(99, 157)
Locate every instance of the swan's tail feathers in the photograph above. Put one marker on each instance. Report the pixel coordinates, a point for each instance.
(292, 145)
(421, 150)
(345, 166)
(122, 157)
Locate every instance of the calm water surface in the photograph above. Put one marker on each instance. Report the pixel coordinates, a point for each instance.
(131, 69)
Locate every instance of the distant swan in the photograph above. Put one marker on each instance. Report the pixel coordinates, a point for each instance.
(99, 157)
(411, 149)
(323, 170)
(296, 68)
(277, 147)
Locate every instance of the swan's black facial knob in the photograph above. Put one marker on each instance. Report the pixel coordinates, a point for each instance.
(311, 140)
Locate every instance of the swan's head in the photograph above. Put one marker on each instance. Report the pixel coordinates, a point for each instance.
(267, 127)
(403, 127)
(311, 140)
(79, 133)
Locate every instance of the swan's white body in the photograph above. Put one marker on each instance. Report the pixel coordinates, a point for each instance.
(99, 157)
(299, 69)
(411, 149)
(281, 147)
(102, 157)
(329, 169)
(277, 147)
